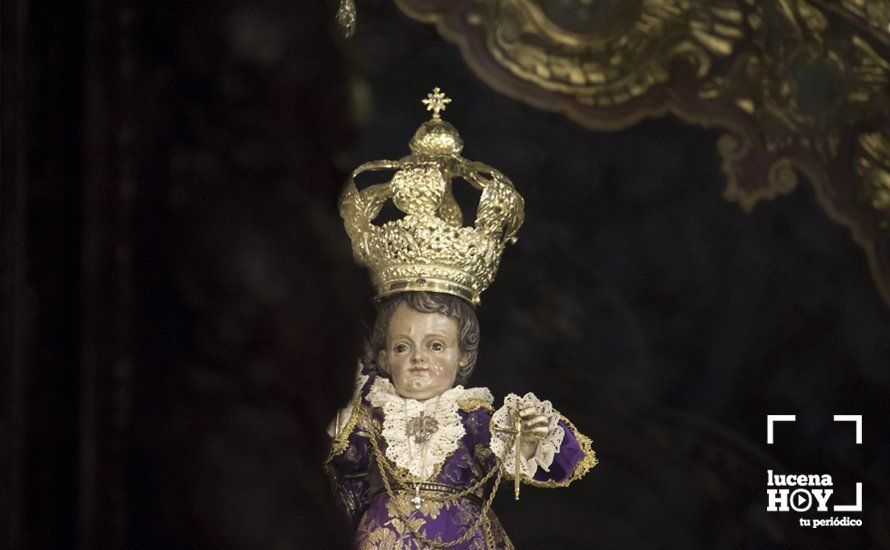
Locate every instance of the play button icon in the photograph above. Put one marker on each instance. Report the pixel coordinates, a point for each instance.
(801, 500)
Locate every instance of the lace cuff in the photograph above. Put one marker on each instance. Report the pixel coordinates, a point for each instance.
(502, 443)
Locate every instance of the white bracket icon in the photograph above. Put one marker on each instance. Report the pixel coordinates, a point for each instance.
(857, 418)
(852, 507)
(771, 418)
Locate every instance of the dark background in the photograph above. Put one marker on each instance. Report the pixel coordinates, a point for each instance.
(182, 314)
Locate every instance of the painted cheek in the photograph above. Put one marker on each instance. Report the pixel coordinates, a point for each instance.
(443, 371)
(399, 369)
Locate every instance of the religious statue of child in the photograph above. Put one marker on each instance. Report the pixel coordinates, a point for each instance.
(416, 457)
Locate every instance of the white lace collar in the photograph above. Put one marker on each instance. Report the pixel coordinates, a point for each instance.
(422, 461)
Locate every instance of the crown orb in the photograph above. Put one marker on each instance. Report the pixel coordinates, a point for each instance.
(436, 138)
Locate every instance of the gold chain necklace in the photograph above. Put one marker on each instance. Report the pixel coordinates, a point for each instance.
(482, 521)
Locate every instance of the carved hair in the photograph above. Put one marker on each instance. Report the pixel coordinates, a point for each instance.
(430, 302)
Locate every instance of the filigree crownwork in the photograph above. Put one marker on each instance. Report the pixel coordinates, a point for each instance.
(429, 248)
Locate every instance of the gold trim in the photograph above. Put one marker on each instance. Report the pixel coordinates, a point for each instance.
(470, 405)
(581, 468)
(340, 442)
(431, 487)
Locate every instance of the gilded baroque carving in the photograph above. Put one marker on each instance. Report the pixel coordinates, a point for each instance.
(800, 86)
(607, 60)
(873, 166)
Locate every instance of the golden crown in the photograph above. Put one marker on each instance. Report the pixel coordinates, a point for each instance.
(429, 248)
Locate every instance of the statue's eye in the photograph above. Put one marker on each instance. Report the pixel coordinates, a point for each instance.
(401, 348)
(437, 346)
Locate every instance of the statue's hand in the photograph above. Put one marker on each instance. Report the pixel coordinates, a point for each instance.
(535, 427)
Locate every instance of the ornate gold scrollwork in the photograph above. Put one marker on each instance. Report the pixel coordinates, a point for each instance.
(873, 166)
(603, 56)
(801, 86)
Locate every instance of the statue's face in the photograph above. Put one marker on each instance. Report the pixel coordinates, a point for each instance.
(422, 354)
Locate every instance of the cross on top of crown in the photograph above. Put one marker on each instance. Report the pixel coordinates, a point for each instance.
(436, 101)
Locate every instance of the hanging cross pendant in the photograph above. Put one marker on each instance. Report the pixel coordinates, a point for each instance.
(516, 432)
(417, 500)
(517, 453)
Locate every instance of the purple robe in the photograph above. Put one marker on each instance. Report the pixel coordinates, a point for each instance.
(360, 491)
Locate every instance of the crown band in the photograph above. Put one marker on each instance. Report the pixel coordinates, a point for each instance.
(428, 285)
